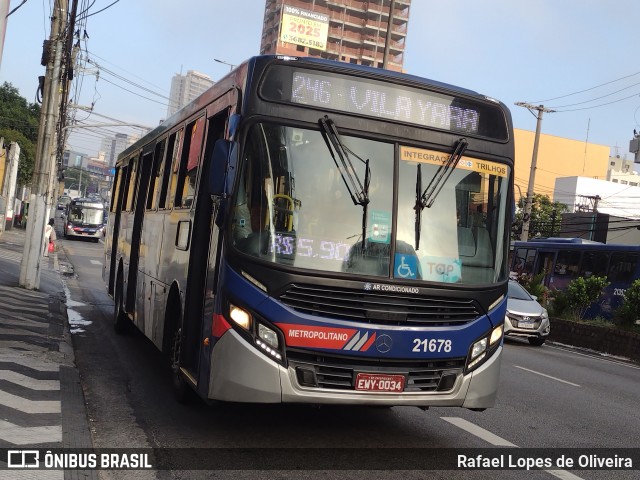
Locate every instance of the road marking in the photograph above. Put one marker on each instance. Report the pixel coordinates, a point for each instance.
(29, 435)
(29, 362)
(28, 382)
(494, 439)
(29, 406)
(548, 376)
(563, 474)
(479, 432)
(96, 262)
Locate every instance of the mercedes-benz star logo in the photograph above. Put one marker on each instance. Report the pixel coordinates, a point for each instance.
(384, 343)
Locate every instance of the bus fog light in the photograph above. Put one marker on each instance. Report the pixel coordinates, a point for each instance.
(496, 335)
(269, 336)
(240, 316)
(478, 347)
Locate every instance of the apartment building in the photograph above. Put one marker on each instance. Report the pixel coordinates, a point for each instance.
(352, 31)
(185, 88)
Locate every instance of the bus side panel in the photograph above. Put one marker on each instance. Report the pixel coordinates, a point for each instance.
(150, 288)
(174, 262)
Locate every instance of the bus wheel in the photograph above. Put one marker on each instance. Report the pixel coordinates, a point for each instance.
(120, 320)
(178, 383)
(536, 342)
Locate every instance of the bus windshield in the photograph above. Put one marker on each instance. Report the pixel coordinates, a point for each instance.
(81, 214)
(292, 207)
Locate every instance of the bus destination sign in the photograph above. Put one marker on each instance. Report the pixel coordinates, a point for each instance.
(376, 99)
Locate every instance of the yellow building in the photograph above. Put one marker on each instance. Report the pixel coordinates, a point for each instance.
(557, 157)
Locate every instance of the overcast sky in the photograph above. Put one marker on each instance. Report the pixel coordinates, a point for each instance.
(526, 50)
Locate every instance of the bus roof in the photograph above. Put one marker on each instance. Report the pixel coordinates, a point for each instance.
(238, 76)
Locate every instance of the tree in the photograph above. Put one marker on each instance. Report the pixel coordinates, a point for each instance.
(19, 122)
(546, 217)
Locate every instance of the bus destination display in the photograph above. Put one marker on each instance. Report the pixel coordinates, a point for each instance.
(404, 104)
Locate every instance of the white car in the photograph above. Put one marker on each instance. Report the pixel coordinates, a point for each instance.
(525, 318)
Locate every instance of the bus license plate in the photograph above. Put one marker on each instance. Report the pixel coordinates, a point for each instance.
(372, 382)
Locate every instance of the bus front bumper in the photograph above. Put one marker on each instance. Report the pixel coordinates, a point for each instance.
(241, 373)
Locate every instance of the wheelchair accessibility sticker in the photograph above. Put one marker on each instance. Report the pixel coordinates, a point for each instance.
(405, 266)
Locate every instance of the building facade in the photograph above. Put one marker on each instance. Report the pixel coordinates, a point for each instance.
(352, 31)
(557, 158)
(185, 88)
(621, 171)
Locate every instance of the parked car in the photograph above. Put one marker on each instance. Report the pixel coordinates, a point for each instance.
(525, 318)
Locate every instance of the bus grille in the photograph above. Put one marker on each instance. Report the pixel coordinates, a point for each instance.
(338, 373)
(380, 307)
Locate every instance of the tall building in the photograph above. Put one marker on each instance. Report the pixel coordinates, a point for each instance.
(185, 88)
(113, 146)
(353, 31)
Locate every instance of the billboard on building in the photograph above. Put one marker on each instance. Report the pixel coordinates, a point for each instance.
(304, 27)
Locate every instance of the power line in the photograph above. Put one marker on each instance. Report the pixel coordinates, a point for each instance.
(101, 10)
(588, 89)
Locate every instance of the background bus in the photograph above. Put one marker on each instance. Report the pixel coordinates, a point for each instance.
(318, 232)
(565, 259)
(84, 218)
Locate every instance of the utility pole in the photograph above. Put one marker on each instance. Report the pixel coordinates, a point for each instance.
(387, 42)
(45, 162)
(526, 217)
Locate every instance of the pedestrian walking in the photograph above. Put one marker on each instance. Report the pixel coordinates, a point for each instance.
(49, 236)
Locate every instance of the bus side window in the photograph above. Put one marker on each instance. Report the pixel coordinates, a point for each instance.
(165, 172)
(523, 261)
(567, 264)
(131, 184)
(175, 167)
(190, 158)
(115, 193)
(154, 183)
(622, 267)
(124, 185)
(594, 264)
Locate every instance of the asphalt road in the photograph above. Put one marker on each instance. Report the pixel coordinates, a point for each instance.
(550, 398)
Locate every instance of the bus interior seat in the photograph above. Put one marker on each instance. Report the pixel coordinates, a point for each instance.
(476, 255)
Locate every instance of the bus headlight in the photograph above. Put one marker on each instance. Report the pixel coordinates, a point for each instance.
(496, 335)
(478, 347)
(484, 347)
(269, 336)
(240, 316)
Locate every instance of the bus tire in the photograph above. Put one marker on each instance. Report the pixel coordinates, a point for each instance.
(536, 341)
(120, 320)
(179, 385)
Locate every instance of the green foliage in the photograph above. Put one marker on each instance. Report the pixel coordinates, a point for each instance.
(535, 286)
(629, 311)
(558, 303)
(581, 292)
(546, 216)
(19, 122)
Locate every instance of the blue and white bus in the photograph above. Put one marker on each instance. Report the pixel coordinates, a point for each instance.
(84, 218)
(565, 259)
(309, 231)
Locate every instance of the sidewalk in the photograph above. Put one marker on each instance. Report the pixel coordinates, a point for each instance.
(41, 400)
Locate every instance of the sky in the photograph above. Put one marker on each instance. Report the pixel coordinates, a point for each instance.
(538, 51)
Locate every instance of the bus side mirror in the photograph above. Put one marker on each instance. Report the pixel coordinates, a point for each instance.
(222, 167)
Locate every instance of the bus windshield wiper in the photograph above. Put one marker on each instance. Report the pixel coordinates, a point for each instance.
(426, 198)
(358, 190)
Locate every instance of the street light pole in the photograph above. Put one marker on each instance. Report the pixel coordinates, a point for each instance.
(231, 65)
(526, 217)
